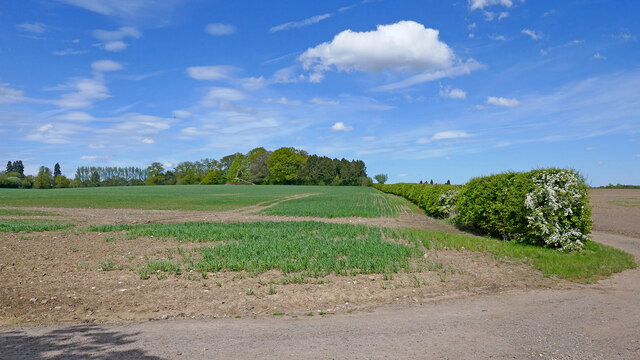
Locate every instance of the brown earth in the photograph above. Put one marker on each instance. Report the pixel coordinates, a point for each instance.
(609, 216)
(489, 310)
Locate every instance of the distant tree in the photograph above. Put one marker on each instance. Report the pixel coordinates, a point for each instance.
(284, 165)
(257, 165)
(44, 179)
(18, 167)
(381, 178)
(214, 177)
(420, 182)
(431, 182)
(156, 174)
(9, 166)
(61, 181)
(95, 179)
(448, 182)
(239, 169)
(225, 162)
(56, 170)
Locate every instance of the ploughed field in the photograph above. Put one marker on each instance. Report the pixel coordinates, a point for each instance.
(135, 253)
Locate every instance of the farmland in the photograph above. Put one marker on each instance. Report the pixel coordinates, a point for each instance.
(119, 254)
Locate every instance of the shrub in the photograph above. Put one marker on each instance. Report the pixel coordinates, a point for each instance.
(547, 207)
(10, 181)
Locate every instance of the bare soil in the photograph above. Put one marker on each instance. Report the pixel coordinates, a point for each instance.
(57, 276)
(611, 217)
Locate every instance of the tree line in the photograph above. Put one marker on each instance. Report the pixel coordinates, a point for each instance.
(286, 165)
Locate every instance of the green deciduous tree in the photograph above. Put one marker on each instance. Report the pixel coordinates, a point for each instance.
(44, 179)
(284, 165)
(381, 178)
(61, 181)
(156, 174)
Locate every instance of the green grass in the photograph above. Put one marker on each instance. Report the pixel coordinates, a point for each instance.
(343, 202)
(19, 212)
(588, 265)
(316, 249)
(31, 225)
(327, 201)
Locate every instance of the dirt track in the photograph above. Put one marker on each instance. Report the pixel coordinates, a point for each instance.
(598, 321)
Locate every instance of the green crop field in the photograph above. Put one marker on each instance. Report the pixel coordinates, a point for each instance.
(317, 249)
(30, 225)
(324, 201)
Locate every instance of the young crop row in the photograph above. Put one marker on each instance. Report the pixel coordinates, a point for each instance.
(546, 207)
(317, 249)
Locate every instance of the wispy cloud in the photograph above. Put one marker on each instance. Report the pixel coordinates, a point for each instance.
(500, 101)
(535, 35)
(301, 23)
(461, 69)
(220, 29)
(452, 93)
(340, 126)
(113, 40)
(215, 72)
(35, 27)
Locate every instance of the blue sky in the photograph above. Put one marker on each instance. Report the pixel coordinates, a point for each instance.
(417, 89)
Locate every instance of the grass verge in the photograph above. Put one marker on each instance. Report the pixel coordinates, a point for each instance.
(317, 249)
(30, 225)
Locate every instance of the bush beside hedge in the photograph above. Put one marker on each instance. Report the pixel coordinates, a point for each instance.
(546, 207)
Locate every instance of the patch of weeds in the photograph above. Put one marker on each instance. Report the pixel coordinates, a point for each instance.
(322, 313)
(272, 289)
(108, 265)
(23, 237)
(415, 282)
(310, 313)
(159, 268)
(110, 238)
(74, 249)
(250, 291)
(218, 284)
(32, 225)
(81, 266)
(278, 313)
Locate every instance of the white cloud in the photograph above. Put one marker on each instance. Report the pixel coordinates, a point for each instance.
(69, 51)
(134, 124)
(472, 26)
(148, 141)
(117, 35)
(219, 29)
(489, 16)
(115, 46)
(454, 93)
(296, 24)
(87, 91)
(76, 116)
(181, 113)
(101, 66)
(500, 101)
(9, 95)
(218, 72)
(458, 70)
(216, 95)
(481, 4)
(535, 35)
(52, 133)
(406, 45)
(36, 27)
(591, 148)
(599, 56)
(503, 15)
(497, 37)
(252, 83)
(113, 40)
(340, 126)
(472, 35)
(319, 101)
(445, 135)
(152, 12)
(283, 101)
(287, 75)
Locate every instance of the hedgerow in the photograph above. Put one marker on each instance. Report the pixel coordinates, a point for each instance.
(545, 207)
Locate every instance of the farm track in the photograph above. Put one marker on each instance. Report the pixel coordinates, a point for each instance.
(599, 321)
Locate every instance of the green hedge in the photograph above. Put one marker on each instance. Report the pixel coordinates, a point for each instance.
(545, 207)
(437, 200)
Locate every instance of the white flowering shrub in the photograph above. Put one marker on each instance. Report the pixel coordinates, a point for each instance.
(547, 207)
(447, 203)
(556, 209)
